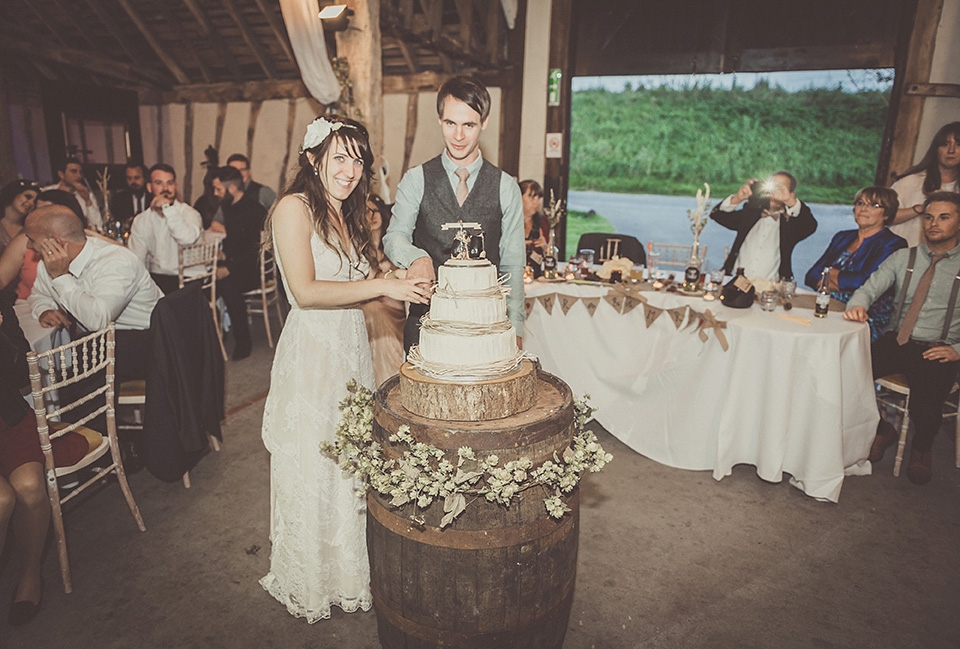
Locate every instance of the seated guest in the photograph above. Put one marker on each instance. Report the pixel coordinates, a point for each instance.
(853, 255)
(129, 202)
(91, 282)
(938, 170)
(240, 272)
(923, 341)
(18, 263)
(71, 181)
(266, 196)
(770, 224)
(536, 226)
(384, 316)
(158, 232)
(23, 492)
(17, 199)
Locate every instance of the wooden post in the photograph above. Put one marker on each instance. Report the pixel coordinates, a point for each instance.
(360, 45)
(511, 97)
(8, 170)
(557, 170)
(909, 108)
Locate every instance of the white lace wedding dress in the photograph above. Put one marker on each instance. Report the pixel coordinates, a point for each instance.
(318, 522)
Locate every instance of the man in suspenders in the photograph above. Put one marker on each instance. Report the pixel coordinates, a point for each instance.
(923, 341)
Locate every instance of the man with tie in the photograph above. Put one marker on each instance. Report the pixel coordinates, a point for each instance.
(923, 341)
(457, 185)
(90, 281)
(770, 224)
(129, 202)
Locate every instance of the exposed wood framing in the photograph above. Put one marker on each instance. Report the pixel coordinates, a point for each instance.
(217, 92)
(183, 45)
(362, 48)
(413, 99)
(44, 21)
(8, 170)
(277, 28)
(511, 95)
(934, 89)
(493, 33)
(115, 30)
(63, 13)
(187, 184)
(431, 81)
(251, 39)
(218, 129)
(165, 58)
(210, 31)
(405, 52)
(291, 122)
(917, 71)
(255, 107)
(31, 140)
(556, 170)
(465, 11)
(160, 134)
(71, 57)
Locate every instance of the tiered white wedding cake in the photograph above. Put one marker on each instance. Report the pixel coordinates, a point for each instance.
(467, 333)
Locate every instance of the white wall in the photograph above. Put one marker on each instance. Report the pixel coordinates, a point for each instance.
(269, 141)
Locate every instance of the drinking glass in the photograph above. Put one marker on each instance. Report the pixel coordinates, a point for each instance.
(768, 300)
(588, 254)
(653, 264)
(788, 288)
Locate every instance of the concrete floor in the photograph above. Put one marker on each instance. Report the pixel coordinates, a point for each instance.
(668, 558)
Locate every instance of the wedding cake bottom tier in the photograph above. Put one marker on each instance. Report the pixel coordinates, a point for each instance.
(468, 401)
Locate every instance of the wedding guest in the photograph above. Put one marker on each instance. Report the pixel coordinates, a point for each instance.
(458, 184)
(23, 493)
(91, 281)
(853, 255)
(266, 196)
(771, 222)
(18, 264)
(536, 225)
(384, 316)
(71, 181)
(938, 170)
(157, 232)
(135, 198)
(327, 260)
(923, 341)
(240, 271)
(17, 199)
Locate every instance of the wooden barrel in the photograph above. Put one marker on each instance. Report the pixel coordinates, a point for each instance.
(497, 577)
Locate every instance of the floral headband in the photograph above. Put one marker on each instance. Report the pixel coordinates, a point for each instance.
(317, 132)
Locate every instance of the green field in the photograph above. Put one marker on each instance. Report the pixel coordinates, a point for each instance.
(671, 141)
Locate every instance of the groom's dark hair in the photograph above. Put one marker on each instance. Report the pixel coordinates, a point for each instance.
(468, 90)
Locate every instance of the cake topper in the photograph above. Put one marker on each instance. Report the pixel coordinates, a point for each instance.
(462, 249)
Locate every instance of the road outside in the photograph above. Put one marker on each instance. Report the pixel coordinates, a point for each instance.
(663, 219)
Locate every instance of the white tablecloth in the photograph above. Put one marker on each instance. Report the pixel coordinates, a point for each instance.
(786, 397)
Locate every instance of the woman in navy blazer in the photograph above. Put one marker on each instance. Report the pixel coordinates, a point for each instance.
(853, 255)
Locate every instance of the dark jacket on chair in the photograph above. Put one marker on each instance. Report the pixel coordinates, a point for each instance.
(184, 389)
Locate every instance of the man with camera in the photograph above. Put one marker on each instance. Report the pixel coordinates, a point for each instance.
(771, 222)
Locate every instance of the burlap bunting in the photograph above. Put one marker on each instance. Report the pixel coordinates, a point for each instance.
(566, 301)
(547, 302)
(650, 313)
(615, 300)
(591, 303)
(677, 314)
(528, 304)
(710, 322)
(630, 303)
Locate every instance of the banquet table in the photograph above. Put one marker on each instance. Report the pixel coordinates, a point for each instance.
(785, 397)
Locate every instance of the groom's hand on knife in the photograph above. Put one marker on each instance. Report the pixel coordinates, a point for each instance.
(422, 269)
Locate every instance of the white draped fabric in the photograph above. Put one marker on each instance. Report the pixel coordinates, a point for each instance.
(310, 49)
(786, 397)
(510, 8)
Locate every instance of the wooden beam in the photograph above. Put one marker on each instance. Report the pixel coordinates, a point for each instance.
(934, 89)
(511, 94)
(43, 20)
(210, 31)
(255, 107)
(405, 52)
(561, 56)
(8, 169)
(181, 43)
(917, 70)
(115, 30)
(224, 92)
(187, 184)
(465, 11)
(250, 39)
(74, 58)
(413, 99)
(291, 121)
(165, 58)
(362, 47)
(494, 19)
(218, 130)
(61, 11)
(278, 29)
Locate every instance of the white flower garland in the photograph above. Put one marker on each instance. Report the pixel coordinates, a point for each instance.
(423, 473)
(317, 132)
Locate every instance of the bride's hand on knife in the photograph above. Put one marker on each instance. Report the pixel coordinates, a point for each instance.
(400, 288)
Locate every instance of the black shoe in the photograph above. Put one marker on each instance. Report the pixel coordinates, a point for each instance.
(23, 611)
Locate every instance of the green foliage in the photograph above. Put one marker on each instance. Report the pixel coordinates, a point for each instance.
(580, 222)
(670, 141)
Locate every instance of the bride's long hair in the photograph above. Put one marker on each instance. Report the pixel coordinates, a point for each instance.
(353, 135)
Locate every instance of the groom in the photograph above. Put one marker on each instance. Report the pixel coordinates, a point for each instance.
(457, 185)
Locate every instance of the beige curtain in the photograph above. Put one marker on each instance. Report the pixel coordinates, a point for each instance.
(310, 49)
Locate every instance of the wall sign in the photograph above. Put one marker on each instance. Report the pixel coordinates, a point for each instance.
(553, 87)
(554, 145)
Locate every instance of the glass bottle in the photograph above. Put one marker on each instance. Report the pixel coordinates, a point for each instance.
(550, 258)
(823, 295)
(691, 276)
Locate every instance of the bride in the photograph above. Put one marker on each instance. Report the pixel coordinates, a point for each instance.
(324, 253)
